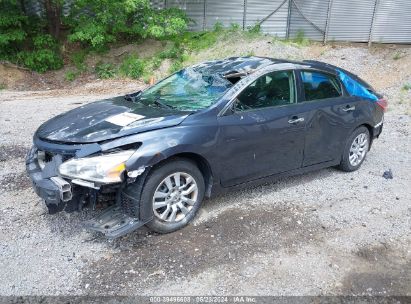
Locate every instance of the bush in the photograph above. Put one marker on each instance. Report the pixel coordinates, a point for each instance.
(156, 62)
(234, 27)
(300, 38)
(218, 27)
(175, 66)
(172, 53)
(255, 29)
(44, 56)
(406, 87)
(70, 75)
(12, 28)
(40, 60)
(78, 58)
(105, 70)
(132, 67)
(99, 22)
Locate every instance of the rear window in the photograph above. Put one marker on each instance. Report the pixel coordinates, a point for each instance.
(320, 86)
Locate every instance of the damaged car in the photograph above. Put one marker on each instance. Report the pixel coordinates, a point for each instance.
(156, 154)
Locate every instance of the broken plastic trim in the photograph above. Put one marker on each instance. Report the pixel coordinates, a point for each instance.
(84, 183)
(135, 173)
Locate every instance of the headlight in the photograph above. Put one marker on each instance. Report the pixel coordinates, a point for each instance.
(103, 169)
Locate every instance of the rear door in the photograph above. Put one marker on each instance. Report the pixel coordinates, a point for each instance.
(331, 119)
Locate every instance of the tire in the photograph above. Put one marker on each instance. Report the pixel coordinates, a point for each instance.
(355, 145)
(158, 182)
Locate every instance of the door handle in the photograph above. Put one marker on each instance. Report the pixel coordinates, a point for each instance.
(348, 108)
(295, 120)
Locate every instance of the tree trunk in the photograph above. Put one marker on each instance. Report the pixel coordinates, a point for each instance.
(53, 13)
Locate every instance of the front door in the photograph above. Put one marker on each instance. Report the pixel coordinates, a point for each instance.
(263, 134)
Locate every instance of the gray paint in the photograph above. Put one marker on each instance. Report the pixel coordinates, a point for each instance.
(392, 22)
(316, 11)
(350, 20)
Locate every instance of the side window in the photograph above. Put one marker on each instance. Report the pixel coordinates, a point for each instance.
(320, 86)
(273, 89)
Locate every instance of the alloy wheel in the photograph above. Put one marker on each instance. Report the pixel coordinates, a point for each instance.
(358, 149)
(175, 197)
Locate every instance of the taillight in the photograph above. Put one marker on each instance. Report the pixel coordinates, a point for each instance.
(383, 103)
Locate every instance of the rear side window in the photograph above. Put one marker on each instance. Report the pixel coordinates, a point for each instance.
(320, 86)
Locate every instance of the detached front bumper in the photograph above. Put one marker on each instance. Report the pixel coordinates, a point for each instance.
(56, 192)
(62, 195)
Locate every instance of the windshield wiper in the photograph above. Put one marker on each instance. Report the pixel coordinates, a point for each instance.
(161, 104)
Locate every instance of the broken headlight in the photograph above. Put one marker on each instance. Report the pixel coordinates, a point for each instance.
(106, 168)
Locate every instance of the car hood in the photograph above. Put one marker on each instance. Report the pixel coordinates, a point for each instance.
(107, 119)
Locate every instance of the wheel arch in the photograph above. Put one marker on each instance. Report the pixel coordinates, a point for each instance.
(370, 130)
(202, 164)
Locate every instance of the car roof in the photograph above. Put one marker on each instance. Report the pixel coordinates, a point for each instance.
(251, 64)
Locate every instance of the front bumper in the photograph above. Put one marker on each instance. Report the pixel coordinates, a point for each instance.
(56, 197)
(115, 221)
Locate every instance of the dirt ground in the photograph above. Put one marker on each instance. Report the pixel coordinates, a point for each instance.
(322, 233)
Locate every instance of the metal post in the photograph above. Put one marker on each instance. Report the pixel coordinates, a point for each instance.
(204, 14)
(372, 22)
(287, 35)
(245, 15)
(327, 21)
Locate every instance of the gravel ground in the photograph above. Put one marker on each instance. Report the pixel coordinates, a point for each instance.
(326, 232)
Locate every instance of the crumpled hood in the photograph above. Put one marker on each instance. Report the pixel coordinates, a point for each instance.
(107, 119)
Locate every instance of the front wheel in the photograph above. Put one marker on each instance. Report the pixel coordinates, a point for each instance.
(355, 149)
(173, 193)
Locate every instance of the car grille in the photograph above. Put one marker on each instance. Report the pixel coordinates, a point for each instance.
(45, 157)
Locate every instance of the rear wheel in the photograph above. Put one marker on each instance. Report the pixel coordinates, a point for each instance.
(173, 193)
(355, 149)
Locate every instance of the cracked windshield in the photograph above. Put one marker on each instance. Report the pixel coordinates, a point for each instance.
(186, 90)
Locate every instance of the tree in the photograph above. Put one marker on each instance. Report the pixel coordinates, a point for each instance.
(98, 22)
(53, 10)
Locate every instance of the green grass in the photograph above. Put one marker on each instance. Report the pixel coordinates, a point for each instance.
(397, 56)
(105, 70)
(70, 75)
(406, 87)
(78, 59)
(133, 67)
(3, 86)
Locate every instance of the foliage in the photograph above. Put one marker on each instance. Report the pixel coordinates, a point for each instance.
(255, 29)
(234, 27)
(155, 62)
(70, 75)
(98, 22)
(397, 56)
(12, 27)
(175, 66)
(218, 27)
(34, 40)
(105, 70)
(300, 39)
(44, 54)
(78, 59)
(40, 60)
(406, 87)
(133, 67)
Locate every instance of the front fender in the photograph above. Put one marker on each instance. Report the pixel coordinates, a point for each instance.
(161, 144)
